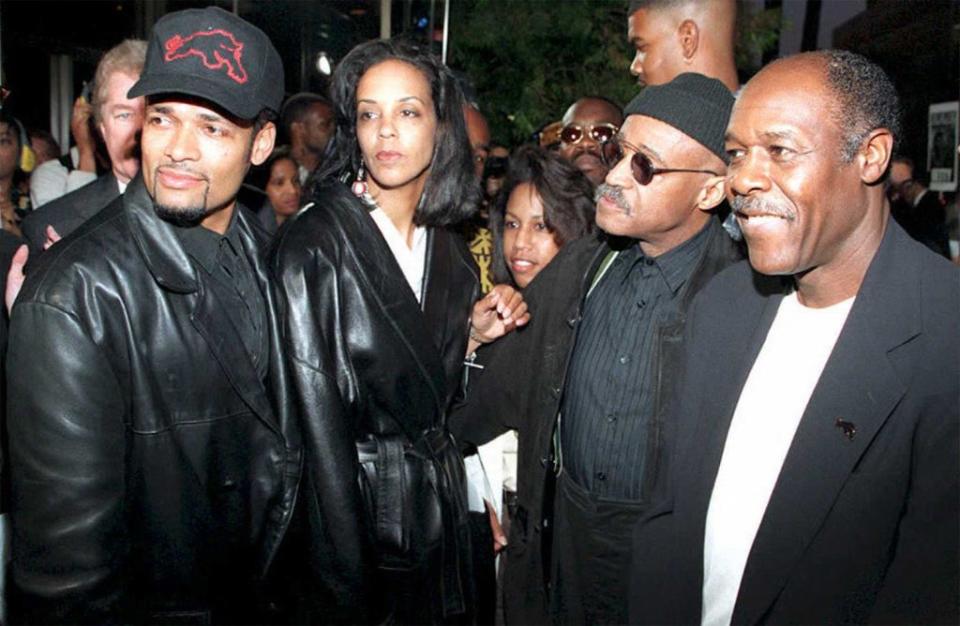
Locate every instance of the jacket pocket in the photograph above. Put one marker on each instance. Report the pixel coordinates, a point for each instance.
(400, 487)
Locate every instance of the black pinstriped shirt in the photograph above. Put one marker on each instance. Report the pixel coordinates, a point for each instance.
(608, 400)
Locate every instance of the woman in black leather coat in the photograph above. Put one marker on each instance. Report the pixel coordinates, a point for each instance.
(376, 298)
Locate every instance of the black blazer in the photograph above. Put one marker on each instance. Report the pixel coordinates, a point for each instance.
(862, 524)
(68, 211)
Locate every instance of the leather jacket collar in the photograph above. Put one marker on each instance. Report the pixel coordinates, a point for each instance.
(158, 242)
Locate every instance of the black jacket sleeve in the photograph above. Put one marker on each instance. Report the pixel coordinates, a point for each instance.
(341, 556)
(67, 446)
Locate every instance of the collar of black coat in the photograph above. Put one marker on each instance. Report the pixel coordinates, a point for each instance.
(204, 245)
(158, 241)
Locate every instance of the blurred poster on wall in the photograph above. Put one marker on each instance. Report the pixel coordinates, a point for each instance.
(942, 146)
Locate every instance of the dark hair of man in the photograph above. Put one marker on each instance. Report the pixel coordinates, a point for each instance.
(263, 118)
(866, 99)
(636, 5)
(297, 106)
(451, 194)
(566, 195)
(259, 175)
(15, 128)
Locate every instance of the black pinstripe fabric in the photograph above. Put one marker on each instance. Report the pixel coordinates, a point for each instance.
(608, 401)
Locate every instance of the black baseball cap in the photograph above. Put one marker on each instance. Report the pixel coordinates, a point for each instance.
(215, 55)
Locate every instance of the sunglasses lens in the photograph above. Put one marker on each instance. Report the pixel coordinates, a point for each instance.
(571, 134)
(641, 167)
(602, 133)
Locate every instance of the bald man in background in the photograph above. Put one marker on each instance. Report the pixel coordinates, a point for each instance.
(588, 123)
(676, 36)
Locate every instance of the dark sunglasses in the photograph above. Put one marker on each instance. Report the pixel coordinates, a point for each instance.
(640, 166)
(573, 133)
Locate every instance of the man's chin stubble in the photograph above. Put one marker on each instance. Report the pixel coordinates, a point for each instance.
(184, 217)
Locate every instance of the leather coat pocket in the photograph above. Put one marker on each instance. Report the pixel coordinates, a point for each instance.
(401, 491)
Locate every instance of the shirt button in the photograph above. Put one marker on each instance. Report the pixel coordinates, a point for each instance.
(611, 418)
(648, 262)
(601, 475)
(624, 359)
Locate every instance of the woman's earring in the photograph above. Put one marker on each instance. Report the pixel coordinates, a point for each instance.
(359, 186)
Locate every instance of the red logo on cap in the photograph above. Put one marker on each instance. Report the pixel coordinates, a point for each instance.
(216, 49)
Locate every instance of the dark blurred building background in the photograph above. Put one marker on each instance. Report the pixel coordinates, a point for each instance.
(917, 43)
(49, 48)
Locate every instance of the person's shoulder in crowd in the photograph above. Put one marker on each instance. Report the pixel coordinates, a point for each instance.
(320, 218)
(99, 246)
(69, 210)
(52, 179)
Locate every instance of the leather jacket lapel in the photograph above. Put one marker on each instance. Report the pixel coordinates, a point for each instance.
(157, 241)
(172, 269)
(210, 321)
(391, 291)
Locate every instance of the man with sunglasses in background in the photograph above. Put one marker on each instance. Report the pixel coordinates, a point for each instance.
(587, 124)
(586, 385)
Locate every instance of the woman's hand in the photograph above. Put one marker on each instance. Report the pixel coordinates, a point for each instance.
(495, 315)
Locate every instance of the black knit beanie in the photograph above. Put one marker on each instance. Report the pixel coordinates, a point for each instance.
(693, 104)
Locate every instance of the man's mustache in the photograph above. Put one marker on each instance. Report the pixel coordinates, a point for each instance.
(614, 194)
(184, 168)
(756, 206)
(587, 152)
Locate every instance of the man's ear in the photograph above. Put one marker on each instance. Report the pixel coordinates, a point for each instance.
(874, 156)
(689, 35)
(712, 193)
(263, 143)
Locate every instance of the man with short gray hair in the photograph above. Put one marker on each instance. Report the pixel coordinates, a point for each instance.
(814, 477)
(119, 119)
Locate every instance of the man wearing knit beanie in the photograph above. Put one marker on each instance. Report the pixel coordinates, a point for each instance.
(602, 352)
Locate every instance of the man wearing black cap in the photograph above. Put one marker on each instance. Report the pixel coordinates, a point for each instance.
(587, 383)
(152, 473)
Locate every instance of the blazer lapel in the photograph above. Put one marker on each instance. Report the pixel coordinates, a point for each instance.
(855, 395)
(699, 441)
(706, 439)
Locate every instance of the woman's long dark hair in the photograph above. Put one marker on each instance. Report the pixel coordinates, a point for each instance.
(451, 194)
(566, 195)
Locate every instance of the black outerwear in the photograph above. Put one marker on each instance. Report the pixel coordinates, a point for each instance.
(68, 211)
(370, 367)
(522, 385)
(862, 525)
(153, 474)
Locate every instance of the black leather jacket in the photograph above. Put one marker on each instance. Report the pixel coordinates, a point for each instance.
(374, 372)
(152, 473)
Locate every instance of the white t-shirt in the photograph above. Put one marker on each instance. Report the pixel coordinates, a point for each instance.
(768, 412)
(412, 259)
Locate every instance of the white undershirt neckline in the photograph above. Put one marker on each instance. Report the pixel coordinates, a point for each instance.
(780, 384)
(412, 259)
